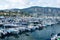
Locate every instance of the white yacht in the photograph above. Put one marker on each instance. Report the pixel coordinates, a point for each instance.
(32, 27)
(1, 33)
(10, 25)
(21, 29)
(56, 37)
(48, 22)
(13, 30)
(1, 23)
(2, 17)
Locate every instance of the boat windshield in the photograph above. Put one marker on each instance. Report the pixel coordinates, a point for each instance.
(58, 34)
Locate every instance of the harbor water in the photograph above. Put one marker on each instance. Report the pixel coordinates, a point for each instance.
(44, 34)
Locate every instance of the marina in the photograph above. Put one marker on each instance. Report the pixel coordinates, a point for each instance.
(29, 19)
(12, 26)
(44, 34)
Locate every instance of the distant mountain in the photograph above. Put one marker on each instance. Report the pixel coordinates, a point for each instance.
(43, 11)
(37, 10)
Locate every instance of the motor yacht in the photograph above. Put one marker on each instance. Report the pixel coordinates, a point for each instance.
(12, 31)
(56, 37)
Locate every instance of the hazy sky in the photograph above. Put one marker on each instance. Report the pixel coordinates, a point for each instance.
(8, 4)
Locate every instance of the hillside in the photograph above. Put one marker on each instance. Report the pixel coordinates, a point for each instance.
(35, 10)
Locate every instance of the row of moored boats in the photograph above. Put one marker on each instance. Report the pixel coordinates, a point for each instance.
(8, 26)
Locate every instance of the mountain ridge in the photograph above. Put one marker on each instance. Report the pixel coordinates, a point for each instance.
(50, 11)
